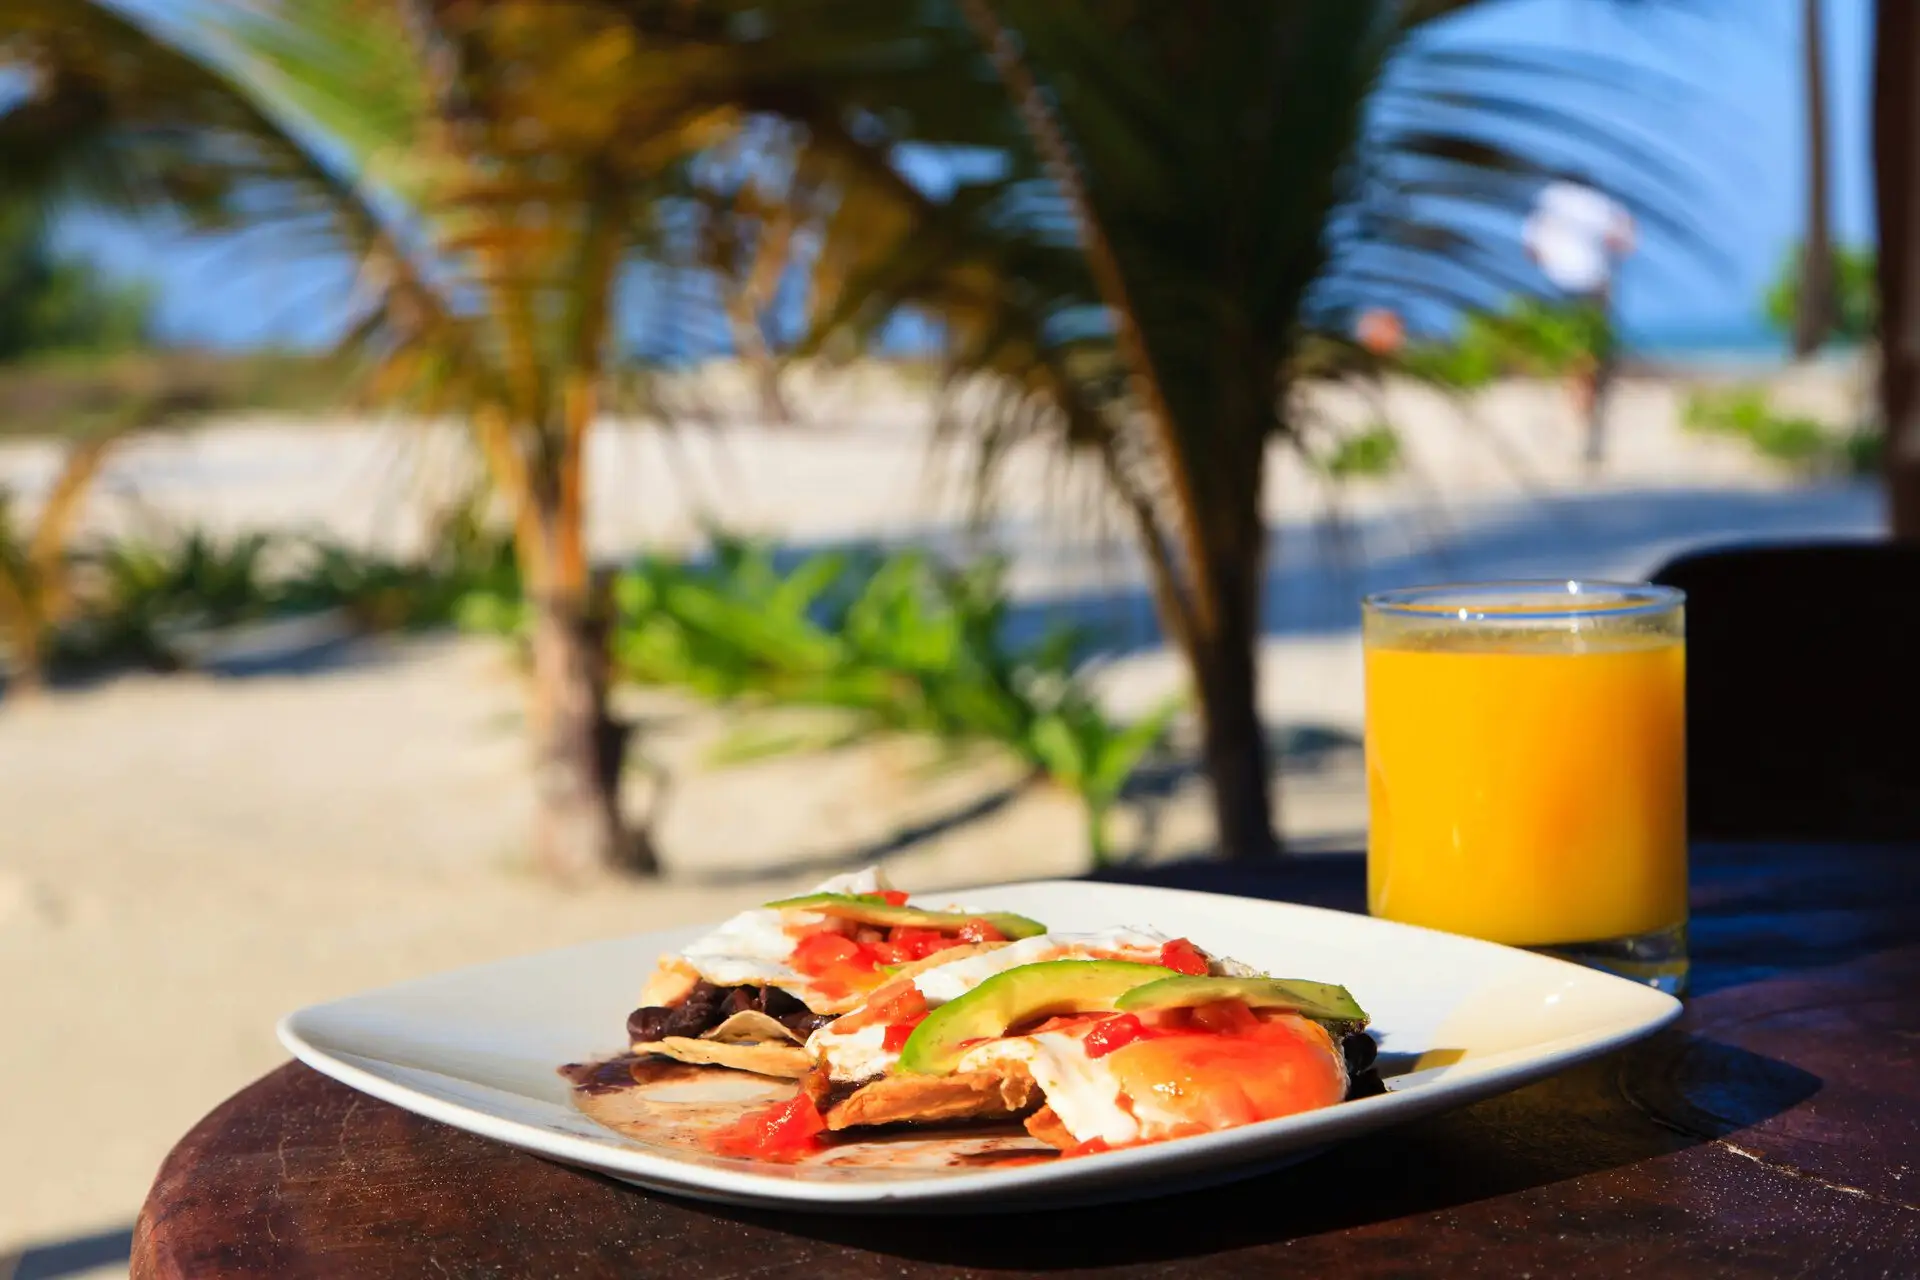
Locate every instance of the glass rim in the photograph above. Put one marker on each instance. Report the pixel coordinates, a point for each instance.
(1453, 600)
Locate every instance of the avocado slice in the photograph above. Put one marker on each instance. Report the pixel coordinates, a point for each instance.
(878, 911)
(1320, 1001)
(1019, 995)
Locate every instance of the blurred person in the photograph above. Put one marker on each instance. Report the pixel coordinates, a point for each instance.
(1576, 236)
(1380, 331)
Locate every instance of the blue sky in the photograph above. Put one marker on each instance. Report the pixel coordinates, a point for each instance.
(1740, 125)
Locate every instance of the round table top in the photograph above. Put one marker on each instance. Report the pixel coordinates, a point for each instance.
(1774, 1130)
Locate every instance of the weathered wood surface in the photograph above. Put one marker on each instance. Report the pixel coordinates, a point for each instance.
(1774, 1131)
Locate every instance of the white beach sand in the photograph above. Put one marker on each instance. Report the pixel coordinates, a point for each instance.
(184, 859)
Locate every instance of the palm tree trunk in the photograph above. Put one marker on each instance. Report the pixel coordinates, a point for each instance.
(1233, 746)
(1814, 319)
(579, 748)
(1228, 568)
(1222, 534)
(1896, 165)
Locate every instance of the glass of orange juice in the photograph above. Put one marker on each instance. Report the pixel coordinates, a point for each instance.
(1526, 768)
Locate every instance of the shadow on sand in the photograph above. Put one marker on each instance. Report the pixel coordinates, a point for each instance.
(70, 1257)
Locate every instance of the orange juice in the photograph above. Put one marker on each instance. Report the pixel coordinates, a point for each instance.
(1527, 787)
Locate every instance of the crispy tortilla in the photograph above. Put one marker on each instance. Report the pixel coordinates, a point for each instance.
(1046, 1125)
(751, 1027)
(1002, 1092)
(783, 1061)
(672, 982)
(753, 1041)
(747, 1041)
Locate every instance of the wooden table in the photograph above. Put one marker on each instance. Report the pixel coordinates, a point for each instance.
(1775, 1131)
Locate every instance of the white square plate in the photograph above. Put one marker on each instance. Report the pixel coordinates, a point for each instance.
(1458, 1020)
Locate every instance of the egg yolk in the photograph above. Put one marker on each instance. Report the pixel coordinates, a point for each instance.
(1278, 1067)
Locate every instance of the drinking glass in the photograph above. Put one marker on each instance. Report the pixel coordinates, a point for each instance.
(1526, 768)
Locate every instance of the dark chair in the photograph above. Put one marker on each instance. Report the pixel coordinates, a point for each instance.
(1803, 691)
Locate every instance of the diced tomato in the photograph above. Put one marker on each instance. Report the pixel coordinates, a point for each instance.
(1114, 1033)
(896, 1038)
(892, 897)
(822, 953)
(784, 1132)
(980, 931)
(889, 952)
(919, 943)
(901, 1002)
(805, 928)
(896, 1002)
(1091, 1147)
(1227, 1017)
(837, 964)
(1182, 956)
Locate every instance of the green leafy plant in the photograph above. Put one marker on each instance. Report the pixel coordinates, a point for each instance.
(1093, 756)
(1533, 337)
(1797, 441)
(893, 642)
(57, 302)
(139, 597)
(386, 593)
(143, 595)
(1370, 453)
(1856, 288)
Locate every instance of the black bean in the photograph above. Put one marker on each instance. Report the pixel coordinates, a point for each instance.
(1360, 1051)
(644, 1026)
(701, 1011)
(803, 1022)
(707, 1006)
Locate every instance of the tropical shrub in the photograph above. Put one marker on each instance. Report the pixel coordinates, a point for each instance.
(61, 303)
(1801, 443)
(1368, 454)
(1533, 337)
(1856, 288)
(895, 642)
(143, 595)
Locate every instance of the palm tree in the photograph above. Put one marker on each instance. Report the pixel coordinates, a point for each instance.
(1896, 172)
(497, 171)
(490, 168)
(1211, 195)
(1814, 318)
(1203, 197)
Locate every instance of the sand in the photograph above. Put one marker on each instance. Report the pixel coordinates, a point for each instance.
(184, 859)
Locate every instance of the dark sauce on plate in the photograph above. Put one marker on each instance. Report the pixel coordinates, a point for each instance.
(625, 1072)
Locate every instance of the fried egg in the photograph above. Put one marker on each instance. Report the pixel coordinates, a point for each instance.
(1176, 1085)
(755, 948)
